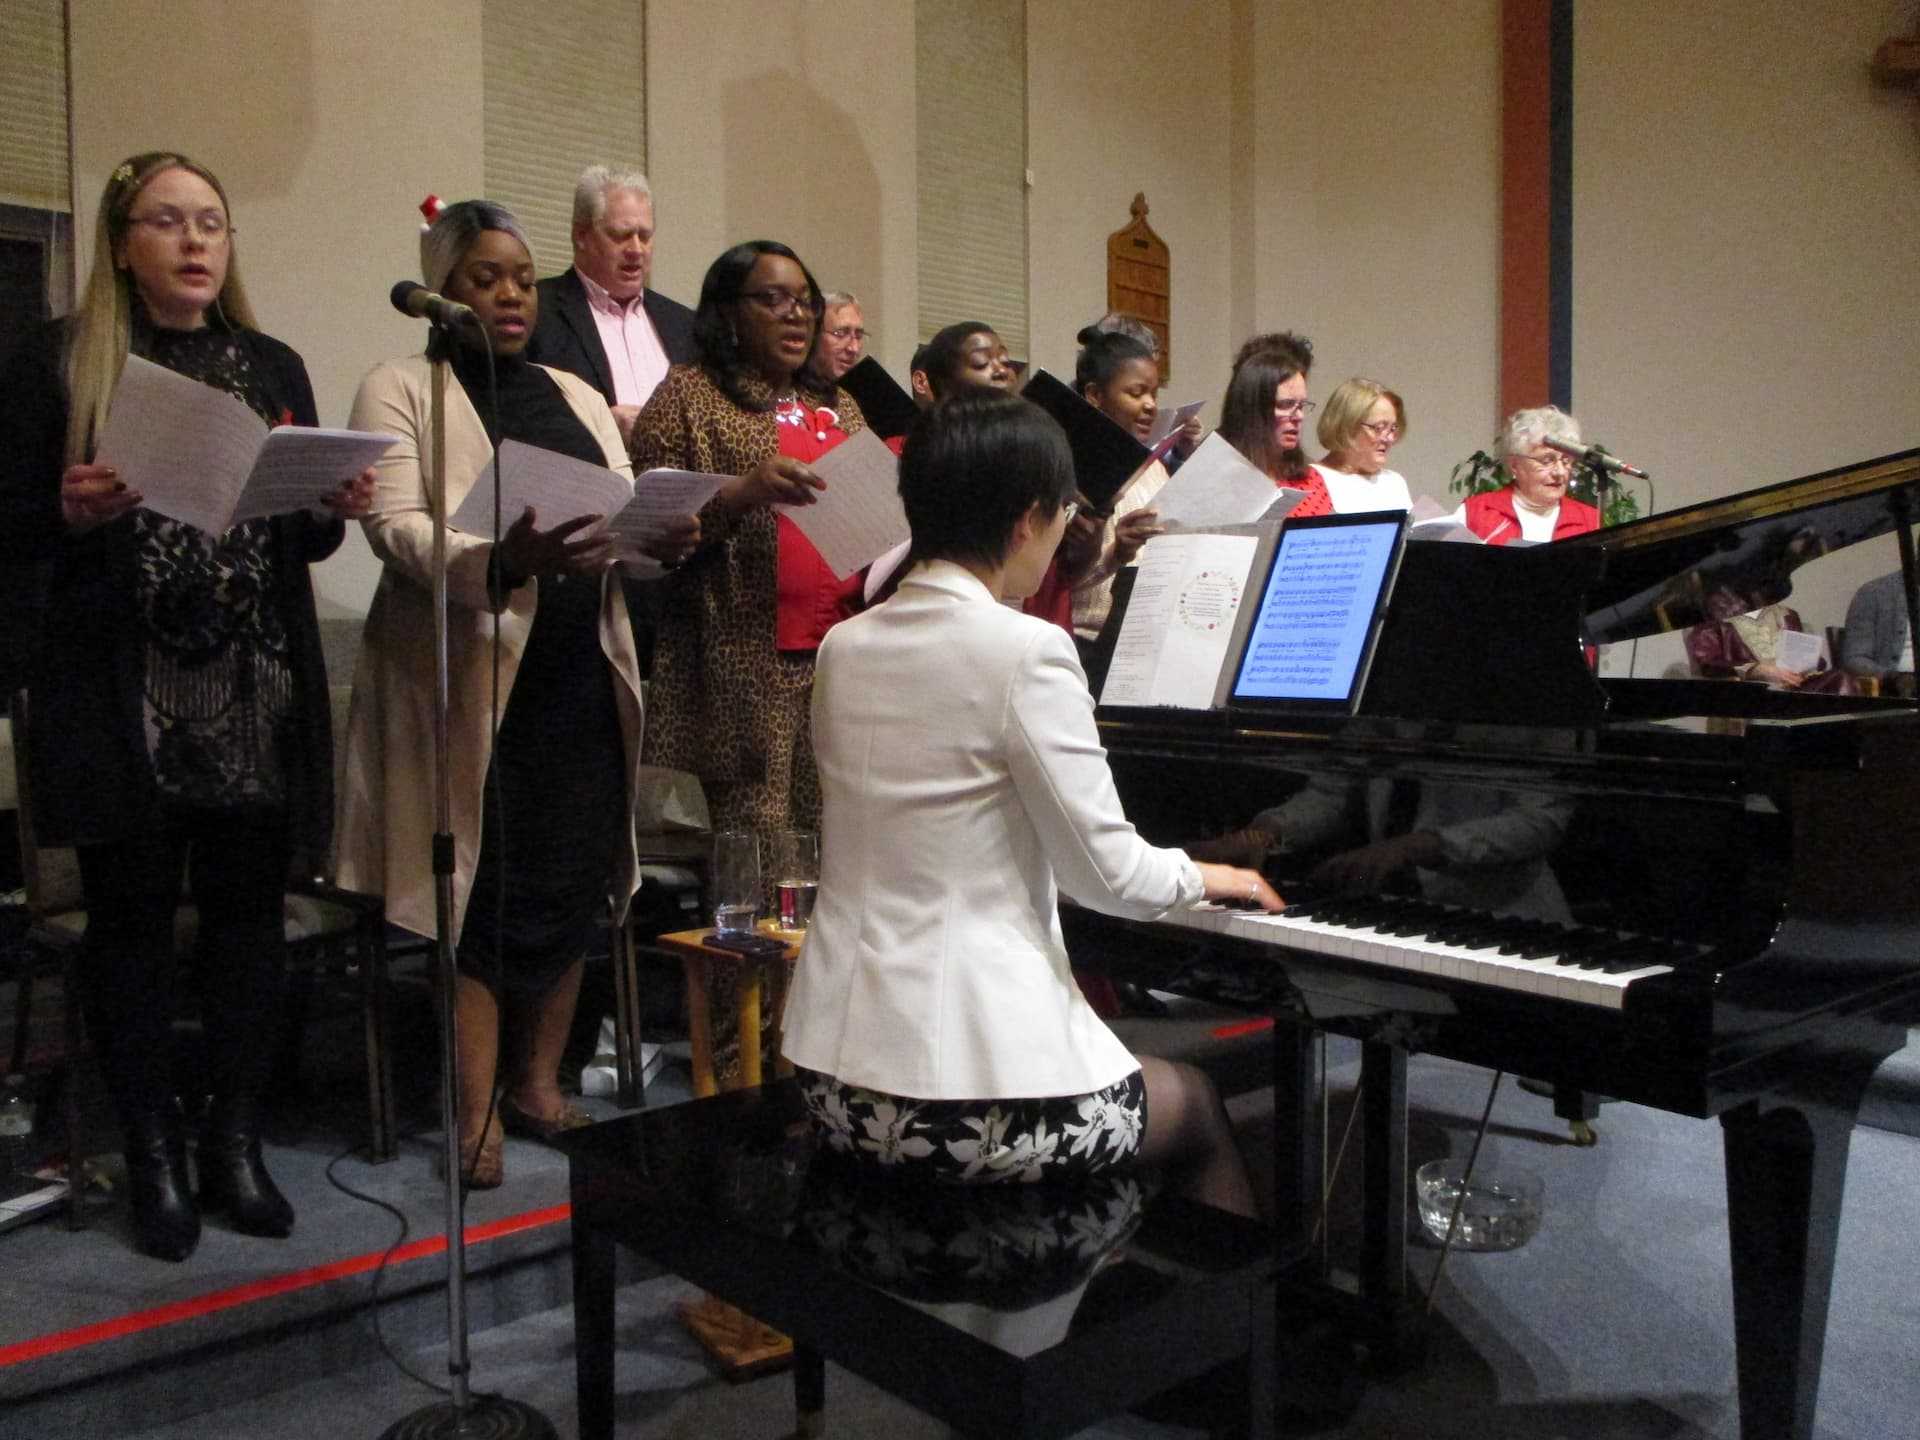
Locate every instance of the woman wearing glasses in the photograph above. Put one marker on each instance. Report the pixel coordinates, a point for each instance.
(1264, 414)
(742, 618)
(179, 699)
(1363, 421)
(1536, 505)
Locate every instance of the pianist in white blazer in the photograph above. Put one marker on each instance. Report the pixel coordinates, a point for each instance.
(933, 1017)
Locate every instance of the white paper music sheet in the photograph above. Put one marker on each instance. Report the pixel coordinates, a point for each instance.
(857, 518)
(659, 498)
(1800, 650)
(1187, 590)
(200, 455)
(1167, 425)
(1218, 486)
(558, 487)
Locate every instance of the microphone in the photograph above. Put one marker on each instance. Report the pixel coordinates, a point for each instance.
(1589, 455)
(410, 297)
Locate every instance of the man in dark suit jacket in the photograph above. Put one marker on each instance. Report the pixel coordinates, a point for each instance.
(599, 320)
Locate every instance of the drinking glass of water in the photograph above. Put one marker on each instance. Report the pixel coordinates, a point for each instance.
(736, 881)
(796, 876)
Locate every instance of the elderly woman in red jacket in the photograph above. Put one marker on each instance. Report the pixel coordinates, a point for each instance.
(1536, 505)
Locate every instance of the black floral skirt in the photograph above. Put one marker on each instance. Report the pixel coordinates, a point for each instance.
(981, 1142)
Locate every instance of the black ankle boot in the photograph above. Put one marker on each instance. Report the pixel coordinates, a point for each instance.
(166, 1222)
(234, 1181)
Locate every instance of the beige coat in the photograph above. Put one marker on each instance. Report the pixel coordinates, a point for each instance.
(383, 840)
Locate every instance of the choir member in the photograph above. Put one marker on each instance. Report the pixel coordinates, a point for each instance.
(542, 818)
(1535, 504)
(935, 1024)
(1362, 423)
(178, 695)
(1117, 374)
(1264, 414)
(842, 340)
(1879, 646)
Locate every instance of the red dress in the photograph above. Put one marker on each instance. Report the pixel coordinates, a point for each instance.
(809, 598)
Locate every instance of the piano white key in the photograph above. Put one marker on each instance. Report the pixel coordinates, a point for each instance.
(1465, 964)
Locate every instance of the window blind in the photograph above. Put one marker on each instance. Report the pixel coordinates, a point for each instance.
(33, 105)
(970, 72)
(563, 87)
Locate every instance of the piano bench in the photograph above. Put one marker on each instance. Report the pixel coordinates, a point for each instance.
(1001, 1311)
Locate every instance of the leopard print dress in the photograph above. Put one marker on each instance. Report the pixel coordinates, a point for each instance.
(725, 702)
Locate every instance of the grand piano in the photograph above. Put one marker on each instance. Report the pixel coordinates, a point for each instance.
(1740, 866)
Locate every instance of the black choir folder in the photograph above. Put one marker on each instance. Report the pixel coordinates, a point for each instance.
(888, 409)
(1268, 619)
(1105, 457)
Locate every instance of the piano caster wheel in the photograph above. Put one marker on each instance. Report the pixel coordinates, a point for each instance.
(1582, 1133)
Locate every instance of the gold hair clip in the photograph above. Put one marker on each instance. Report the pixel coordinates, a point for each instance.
(124, 173)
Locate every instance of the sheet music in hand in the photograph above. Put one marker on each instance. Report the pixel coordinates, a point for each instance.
(1167, 425)
(199, 455)
(858, 517)
(558, 487)
(1218, 486)
(1179, 626)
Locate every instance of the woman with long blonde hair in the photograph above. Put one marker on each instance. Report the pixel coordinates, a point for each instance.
(176, 687)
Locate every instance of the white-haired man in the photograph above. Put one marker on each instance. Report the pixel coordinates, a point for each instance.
(599, 320)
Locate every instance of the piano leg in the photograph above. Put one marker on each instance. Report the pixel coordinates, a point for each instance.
(1383, 1160)
(1786, 1166)
(1297, 1141)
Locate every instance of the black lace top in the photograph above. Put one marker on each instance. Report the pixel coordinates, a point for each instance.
(219, 682)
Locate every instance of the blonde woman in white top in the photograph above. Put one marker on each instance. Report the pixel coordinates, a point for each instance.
(1362, 422)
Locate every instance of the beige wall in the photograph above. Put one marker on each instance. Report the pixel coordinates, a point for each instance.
(326, 134)
(1737, 239)
(1376, 129)
(1746, 246)
(1101, 126)
(789, 120)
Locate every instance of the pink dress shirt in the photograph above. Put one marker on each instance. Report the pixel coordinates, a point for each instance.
(634, 352)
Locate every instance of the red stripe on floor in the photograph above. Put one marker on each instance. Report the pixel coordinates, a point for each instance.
(179, 1310)
(1243, 1027)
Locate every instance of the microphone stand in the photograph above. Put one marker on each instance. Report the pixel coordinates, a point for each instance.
(493, 1417)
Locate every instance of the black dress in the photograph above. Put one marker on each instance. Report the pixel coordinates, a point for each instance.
(555, 809)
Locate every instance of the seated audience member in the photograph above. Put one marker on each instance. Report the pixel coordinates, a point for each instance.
(935, 1024)
(1738, 643)
(1264, 414)
(1117, 375)
(842, 339)
(1536, 505)
(599, 320)
(1879, 644)
(1362, 423)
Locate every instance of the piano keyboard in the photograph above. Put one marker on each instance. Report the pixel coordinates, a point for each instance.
(1561, 962)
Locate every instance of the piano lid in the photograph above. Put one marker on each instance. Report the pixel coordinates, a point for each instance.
(1721, 557)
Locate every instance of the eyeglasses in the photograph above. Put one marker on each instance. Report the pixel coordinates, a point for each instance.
(846, 332)
(1283, 408)
(1381, 429)
(1555, 461)
(208, 224)
(783, 304)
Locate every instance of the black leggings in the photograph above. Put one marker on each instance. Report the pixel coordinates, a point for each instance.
(236, 865)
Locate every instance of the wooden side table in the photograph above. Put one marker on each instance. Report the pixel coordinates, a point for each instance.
(758, 986)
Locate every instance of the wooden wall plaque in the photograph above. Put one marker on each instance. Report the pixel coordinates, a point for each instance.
(1140, 279)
